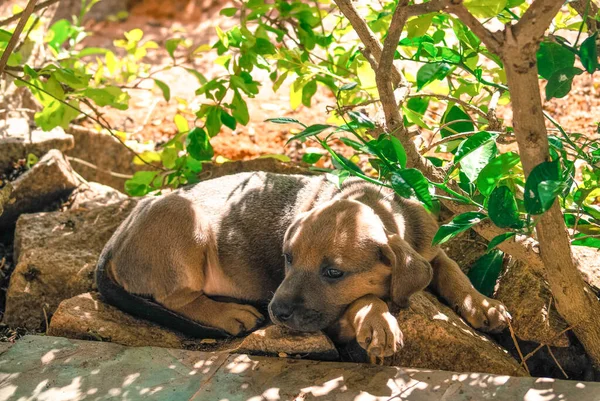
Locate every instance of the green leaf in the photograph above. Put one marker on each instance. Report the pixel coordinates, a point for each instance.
(460, 223)
(545, 172)
(430, 72)
(552, 57)
(71, 78)
(169, 157)
(139, 185)
(284, 120)
(559, 84)
(475, 153)
(409, 183)
(589, 241)
(418, 26)
(502, 208)
(310, 131)
(171, 45)
(485, 272)
(228, 120)
(308, 92)
(361, 120)
(311, 158)
(213, 121)
(485, 8)
(392, 149)
(498, 239)
(350, 86)
(58, 33)
(495, 170)
(240, 109)
(588, 53)
(463, 121)
(108, 96)
(228, 12)
(166, 91)
(198, 145)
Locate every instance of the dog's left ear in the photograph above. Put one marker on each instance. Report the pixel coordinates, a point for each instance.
(410, 271)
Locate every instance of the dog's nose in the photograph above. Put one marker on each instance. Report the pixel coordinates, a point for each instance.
(282, 311)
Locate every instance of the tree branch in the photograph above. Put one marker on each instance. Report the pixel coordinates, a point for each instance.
(493, 40)
(536, 20)
(16, 16)
(426, 8)
(16, 34)
(385, 85)
(366, 36)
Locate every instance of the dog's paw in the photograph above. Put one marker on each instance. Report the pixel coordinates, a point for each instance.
(484, 313)
(379, 334)
(239, 319)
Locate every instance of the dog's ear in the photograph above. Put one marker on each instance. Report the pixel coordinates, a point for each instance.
(410, 271)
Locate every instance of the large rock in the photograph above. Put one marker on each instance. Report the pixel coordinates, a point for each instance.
(17, 141)
(436, 338)
(86, 317)
(49, 180)
(588, 263)
(56, 255)
(279, 341)
(527, 296)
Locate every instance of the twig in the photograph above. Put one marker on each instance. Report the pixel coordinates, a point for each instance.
(426, 8)
(556, 361)
(451, 99)
(90, 165)
(529, 355)
(16, 16)
(514, 338)
(492, 40)
(15, 36)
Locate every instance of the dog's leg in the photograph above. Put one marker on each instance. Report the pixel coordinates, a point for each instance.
(234, 318)
(376, 330)
(453, 285)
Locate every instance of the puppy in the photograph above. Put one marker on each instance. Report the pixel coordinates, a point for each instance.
(323, 258)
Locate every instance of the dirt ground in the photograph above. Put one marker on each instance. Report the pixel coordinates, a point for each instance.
(150, 117)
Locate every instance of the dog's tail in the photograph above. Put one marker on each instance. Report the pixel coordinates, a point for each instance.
(145, 308)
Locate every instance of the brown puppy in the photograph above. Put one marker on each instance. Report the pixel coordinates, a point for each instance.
(346, 252)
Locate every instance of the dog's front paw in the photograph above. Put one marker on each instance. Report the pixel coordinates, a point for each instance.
(379, 334)
(484, 313)
(239, 319)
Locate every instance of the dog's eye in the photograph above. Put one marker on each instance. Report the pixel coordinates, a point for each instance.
(333, 273)
(288, 258)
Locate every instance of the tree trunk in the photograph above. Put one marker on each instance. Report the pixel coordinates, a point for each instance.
(574, 299)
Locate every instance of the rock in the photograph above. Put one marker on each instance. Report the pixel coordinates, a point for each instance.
(17, 141)
(112, 165)
(86, 317)
(588, 263)
(436, 338)
(49, 180)
(92, 194)
(5, 192)
(56, 254)
(279, 341)
(527, 296)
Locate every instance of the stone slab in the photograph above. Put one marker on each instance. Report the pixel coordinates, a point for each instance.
(53, 368)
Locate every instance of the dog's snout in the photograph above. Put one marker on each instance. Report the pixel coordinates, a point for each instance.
(282, 311)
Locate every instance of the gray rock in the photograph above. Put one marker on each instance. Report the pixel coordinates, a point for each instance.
(588, 263)
(17, 141)
(86, 317)
(56, 254)
(49, 180)
(279, 341)
(92, 194)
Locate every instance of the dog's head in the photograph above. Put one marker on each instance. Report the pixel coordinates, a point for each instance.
(337, 253)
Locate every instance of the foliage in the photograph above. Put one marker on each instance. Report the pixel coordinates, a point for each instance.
(310, 45)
